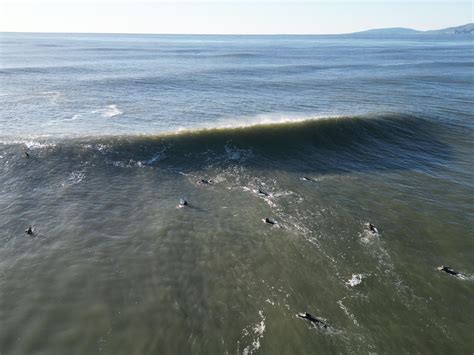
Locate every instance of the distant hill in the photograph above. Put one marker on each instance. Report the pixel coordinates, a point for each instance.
(388, 31)
(467, 29)
(464, 29)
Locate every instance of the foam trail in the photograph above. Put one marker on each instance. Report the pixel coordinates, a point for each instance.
(111, 111)
(355, 280)
(257, 332)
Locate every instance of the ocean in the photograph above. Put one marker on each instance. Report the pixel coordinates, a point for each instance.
(102, 135)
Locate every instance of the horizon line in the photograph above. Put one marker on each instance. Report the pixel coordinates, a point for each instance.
(182, 34)
(224, 34)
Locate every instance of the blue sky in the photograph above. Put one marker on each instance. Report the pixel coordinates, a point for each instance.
(229, 16)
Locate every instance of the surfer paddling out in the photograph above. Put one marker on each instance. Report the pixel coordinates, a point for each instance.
(315, 321)
(204, 182)
(269, 221)
(371, 228)
(182, 203)
(449, 270)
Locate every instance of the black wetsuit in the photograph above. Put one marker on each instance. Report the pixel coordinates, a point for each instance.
(450, 271)
(269, 221)
(315, 321)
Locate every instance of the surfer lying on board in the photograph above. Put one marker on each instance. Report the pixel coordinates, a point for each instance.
(269, 221)
(182, 203)
(448, 270)
(316, 322)
(261, 192)
(204, 182)
(371, 228)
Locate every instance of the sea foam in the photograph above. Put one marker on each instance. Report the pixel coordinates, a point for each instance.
(111, 111)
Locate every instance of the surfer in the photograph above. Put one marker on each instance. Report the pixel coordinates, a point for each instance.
(204, 182)
(27, 155)
(448, 270)
(182, 202)
(371, 228)
(305, 178)
(29, 231)
(316, 322)
(261, 192)
(268, 221)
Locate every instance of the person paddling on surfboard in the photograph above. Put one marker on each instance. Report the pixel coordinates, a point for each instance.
(316, 322)
(371, 228)
(204, 182)
(182, 203)
(268, 221)
(448, 270)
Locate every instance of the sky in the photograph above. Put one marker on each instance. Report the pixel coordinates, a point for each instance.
(229, 16)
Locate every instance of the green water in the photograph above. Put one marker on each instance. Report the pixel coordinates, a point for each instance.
(115, 267)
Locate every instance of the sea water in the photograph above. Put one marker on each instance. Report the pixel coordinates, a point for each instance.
(336, 131)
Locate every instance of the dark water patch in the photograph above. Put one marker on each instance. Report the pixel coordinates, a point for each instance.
(64, 70)
(113, 49)
(285, 69)
(444, 65)
(50, 45)
(239, 55)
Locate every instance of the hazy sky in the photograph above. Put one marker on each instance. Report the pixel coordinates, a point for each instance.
(229, 16)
